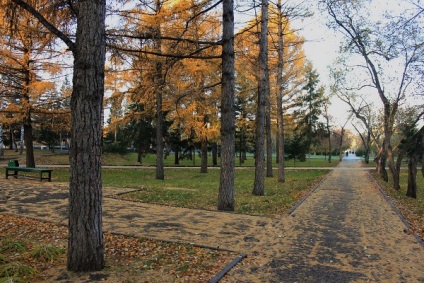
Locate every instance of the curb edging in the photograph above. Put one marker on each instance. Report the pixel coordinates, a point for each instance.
(227, 268)
(396, 210)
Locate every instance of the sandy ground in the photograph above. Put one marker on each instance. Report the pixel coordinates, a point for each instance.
(345, 231)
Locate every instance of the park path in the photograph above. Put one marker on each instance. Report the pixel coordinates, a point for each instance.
(345, 231)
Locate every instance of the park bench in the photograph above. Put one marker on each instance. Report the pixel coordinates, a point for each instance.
(13, 166)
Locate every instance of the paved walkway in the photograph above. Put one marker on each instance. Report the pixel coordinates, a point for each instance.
(345, 231)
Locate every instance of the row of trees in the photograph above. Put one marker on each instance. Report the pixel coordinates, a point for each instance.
(175, 69)
(389, 47)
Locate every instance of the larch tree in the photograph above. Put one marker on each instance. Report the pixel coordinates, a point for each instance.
(263, 91)
(226, 194)
(289, 57)
(85, 242)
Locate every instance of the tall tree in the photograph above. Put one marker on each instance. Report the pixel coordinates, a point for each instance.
(263, 90)
(280, 113)
(309, 110)
(85, 244)
(226, 195)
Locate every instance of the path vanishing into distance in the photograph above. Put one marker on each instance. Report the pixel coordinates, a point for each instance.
(343, 231)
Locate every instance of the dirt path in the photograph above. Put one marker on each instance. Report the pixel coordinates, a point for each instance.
(344, 232)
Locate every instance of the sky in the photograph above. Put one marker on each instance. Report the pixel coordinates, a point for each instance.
(322, 48)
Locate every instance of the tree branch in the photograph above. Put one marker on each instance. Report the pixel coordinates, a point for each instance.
(47, 24)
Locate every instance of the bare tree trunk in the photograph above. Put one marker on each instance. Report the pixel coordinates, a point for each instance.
(204, 162)
(422, 165)
(12, 139)
(412, 177)
(140, 155)
(29, 152)
(367, 148)
(85, 244)
(259, 183)
(226, 193)
(214, 154)
(280, 114)
(21, 141)
(382, 163)
(341, 144)
(268, 128)
(27, 124)
(160, 174)
(396, 175)
(177, 156)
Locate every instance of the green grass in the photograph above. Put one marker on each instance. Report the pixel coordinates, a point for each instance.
(187, 187)
(47, 252)
(16, 272)
(12, 245)
(45, 157)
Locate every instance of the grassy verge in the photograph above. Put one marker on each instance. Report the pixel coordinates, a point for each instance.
(412, 209)
(188, 188)
(48, 157)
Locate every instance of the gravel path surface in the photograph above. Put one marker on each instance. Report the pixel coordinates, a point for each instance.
(345, 231)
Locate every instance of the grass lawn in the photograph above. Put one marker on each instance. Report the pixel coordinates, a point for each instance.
(186, 187)
(48, 157)
(412, 209)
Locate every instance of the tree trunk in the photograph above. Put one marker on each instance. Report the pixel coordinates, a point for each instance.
(226, 193)
(140, 155)
(29, 152)
(160, 174)
(240, 148)
(21, 141)
(176, 156)
(204, 162)
(268, 128)
(341, 145)
(259, 183)
(382, 163)
(85, 244)
(368, 147)
(214, 154)
(277, 142)
(412, 177)
(396, 175)
(280, 116)
(12, 144)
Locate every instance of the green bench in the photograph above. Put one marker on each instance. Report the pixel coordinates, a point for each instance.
(13, 168)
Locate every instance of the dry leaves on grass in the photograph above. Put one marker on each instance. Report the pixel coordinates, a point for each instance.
(128, 259)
